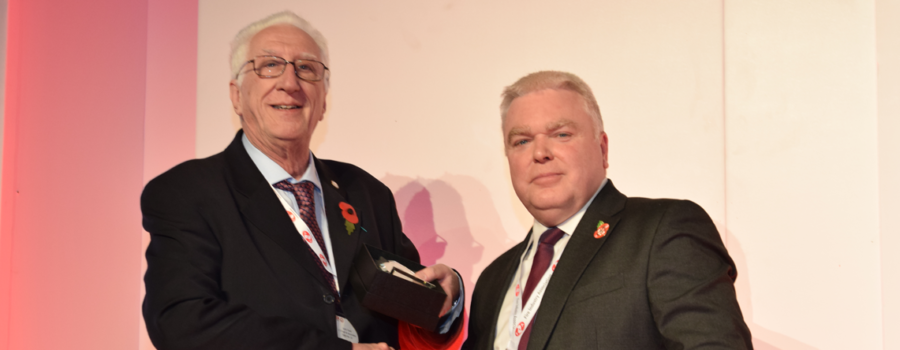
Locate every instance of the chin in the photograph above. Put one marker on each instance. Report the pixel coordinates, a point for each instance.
(549, 203)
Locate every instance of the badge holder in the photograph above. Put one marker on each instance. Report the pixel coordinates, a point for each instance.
(395, 292)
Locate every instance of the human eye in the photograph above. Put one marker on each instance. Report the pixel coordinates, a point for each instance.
(270, 62)
(563, 133)
(305, 67)
(519, 142)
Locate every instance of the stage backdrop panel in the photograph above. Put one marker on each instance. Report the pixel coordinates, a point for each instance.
(802, 170)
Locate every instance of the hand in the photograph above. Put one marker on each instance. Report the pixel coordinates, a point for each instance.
(448, 280)
(379, 346)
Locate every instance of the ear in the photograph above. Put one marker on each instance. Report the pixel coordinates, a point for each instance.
(604, 148)
(324, 108)
(235, 90)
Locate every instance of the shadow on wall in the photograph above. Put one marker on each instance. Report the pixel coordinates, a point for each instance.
(417, 216)
(763, 339)
(452, 221)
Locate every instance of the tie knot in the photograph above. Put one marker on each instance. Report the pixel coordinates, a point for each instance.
(304, 187)
(551, 236)
(303, 191)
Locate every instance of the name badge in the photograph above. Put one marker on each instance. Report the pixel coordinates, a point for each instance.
(345, 330)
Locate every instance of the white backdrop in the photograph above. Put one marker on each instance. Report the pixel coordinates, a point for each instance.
(763, 112)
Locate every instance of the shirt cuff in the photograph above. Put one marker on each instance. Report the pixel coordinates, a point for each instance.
(455, 310)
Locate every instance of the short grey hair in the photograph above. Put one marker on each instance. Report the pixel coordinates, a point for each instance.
(552, 80)
(241, 43)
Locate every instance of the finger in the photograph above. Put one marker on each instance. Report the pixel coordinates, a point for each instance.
(425, 274)
(439, 272)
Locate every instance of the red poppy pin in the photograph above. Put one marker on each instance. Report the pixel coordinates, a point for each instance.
(602, 227)
(350, 218)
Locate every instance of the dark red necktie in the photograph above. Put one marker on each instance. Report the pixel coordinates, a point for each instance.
(542, 258)
(303, 193)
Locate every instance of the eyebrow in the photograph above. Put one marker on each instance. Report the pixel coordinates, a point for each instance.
(559, 124)
(305, 55)
(516, 132)
(550, 127)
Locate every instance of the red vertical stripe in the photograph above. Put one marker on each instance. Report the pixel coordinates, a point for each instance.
(81, 77)
(80, 81)
(8, 188)
(170, 125)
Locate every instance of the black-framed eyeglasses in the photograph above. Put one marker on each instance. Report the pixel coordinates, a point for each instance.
(274, 66)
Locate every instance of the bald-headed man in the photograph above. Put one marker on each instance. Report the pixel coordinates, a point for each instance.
(598, 270)
(252, 248)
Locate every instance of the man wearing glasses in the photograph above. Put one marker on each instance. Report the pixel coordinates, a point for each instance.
(251, 248)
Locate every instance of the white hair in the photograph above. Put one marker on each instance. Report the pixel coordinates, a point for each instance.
(240, 44)
(553, 80)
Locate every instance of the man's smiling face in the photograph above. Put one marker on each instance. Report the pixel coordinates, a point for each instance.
(284, 108)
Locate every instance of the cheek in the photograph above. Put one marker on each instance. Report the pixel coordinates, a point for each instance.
(517, 167)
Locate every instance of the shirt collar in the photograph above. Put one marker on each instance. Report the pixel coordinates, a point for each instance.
(273, 172)
(568, 226)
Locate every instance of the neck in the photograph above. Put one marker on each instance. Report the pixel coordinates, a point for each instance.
(293, 157)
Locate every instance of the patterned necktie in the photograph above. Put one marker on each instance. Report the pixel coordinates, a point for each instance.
(303, 193)
(542, 258)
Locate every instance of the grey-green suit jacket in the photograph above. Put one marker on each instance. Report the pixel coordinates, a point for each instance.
(660, 279)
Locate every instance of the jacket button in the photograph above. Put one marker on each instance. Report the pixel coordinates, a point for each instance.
(328, 298)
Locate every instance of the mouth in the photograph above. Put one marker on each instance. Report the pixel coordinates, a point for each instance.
(546, 178)
(285, 107)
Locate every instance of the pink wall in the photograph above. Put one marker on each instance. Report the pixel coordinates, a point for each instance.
(99, 97)
(170, 120)
(74, 144)
(171, 99)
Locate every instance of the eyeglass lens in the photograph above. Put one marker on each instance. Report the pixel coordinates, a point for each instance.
(271, 66)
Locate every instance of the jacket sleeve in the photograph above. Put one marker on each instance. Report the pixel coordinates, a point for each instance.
(691, 283)
(185, 307)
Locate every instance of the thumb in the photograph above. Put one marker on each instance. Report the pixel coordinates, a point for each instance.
(425, 274)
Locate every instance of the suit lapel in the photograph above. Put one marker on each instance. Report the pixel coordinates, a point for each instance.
(502, 284)
(580, 250)
(343, 244)
(263, 210)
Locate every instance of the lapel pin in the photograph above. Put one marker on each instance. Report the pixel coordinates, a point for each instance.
(602, 227)
(350, 218)
(335, 184)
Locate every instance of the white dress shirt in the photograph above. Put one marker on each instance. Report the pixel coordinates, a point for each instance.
(568, 227)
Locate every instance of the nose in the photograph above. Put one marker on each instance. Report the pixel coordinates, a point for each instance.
(543, 151)
(288, 81)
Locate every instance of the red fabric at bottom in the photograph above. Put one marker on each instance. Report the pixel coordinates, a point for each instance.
(415, 338)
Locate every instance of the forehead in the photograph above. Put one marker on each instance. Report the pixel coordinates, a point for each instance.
(284, 40)
(545, 108)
